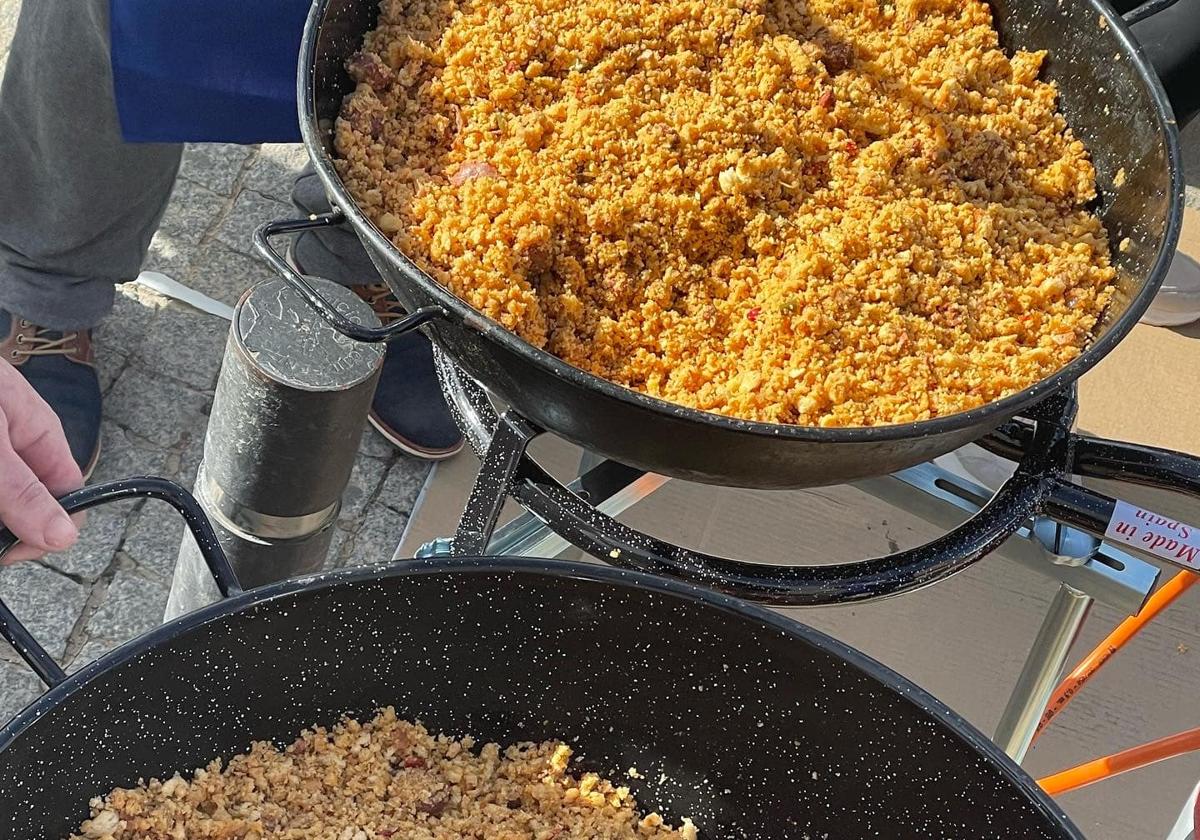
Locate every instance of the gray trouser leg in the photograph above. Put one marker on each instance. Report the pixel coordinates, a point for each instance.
(78, 206)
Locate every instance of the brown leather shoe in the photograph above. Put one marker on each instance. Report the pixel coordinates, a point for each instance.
(60, 365)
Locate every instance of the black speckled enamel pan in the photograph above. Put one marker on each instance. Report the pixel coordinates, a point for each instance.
(754, 725)
(1109, 95)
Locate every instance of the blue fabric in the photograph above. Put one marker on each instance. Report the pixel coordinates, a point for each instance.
(206, 70)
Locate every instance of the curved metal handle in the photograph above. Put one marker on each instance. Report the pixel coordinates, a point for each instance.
(318, 303)
(23, 642)
(1147, 9)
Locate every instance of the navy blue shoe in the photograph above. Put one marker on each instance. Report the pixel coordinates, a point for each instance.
(409, 409)
(61, 368)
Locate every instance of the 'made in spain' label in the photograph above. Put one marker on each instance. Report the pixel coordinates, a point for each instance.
(1169, 539)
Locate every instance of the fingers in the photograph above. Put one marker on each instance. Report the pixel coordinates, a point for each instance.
(23, 551)
(49, 457)
(36, 435)
(19, 553)
(33, 453)
(27, 508)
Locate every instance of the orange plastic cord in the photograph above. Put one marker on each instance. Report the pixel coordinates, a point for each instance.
(1131, 759)
(1124, 631)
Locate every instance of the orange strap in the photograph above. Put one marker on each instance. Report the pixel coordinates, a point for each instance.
(1131, 759)
(1124, 631)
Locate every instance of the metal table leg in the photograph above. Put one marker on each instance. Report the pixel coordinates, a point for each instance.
(1041, 671)
(526, 536)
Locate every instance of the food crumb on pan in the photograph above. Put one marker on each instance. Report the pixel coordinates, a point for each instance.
(1124, 245)
(386, 779)
(819, 213)
(1119, 178)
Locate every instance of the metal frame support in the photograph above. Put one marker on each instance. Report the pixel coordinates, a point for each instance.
(512, 437)
(1041, 671)
(1105, 572)
(1084, 566)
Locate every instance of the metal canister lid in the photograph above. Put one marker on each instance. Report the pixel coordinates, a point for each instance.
(293, 345)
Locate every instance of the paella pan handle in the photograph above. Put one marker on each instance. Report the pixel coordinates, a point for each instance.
(23, 642)
(315, 300)
(1147, 9)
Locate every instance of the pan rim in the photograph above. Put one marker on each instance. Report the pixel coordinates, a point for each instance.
(886, 678)
(993, 413)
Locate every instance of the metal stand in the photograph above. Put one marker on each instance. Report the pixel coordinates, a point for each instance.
(290, 388)
(1041, 671)
(582, 514)
(1085, 569)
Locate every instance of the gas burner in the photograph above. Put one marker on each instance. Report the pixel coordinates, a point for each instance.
(1038, 517)
(1038, 503)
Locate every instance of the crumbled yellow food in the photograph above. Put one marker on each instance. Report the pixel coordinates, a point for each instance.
(833, 212)
(383, 780)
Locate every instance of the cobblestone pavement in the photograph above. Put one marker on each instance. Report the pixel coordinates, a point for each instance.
(158, 363)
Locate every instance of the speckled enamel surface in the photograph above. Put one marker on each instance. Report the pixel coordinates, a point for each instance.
(755, 726)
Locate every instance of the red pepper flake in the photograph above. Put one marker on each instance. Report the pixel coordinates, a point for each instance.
(753, 314)
(386, 832)
(851, 148)
(414, 761)
(828, 99)
(511, 66)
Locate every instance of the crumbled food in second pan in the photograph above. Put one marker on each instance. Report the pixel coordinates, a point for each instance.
(386, 778)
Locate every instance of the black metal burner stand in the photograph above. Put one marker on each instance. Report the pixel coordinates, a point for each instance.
(1039, 517)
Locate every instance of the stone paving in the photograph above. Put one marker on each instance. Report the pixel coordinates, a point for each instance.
(158, 361)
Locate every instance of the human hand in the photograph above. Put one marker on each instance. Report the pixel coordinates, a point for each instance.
(35, 466)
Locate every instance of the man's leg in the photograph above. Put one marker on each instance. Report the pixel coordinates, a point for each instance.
(77, 205)
(408, 409)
